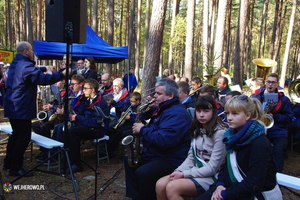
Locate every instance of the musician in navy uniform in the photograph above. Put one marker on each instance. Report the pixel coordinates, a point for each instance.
(184, 97)
(87, 123)
(165, 140)
(125, 128)
(282, 115)
(223, 88)
(196, 84)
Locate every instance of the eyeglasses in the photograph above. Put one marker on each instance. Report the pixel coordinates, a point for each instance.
(104, 80)
(271, 82)
(72, 84)
(85, 88)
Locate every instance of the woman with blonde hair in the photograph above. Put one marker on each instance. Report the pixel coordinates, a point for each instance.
(249, 171)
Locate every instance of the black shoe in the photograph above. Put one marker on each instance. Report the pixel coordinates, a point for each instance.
(20, 172)
(75, 168)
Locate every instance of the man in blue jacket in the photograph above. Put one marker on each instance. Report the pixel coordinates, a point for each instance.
(20, 104)
(166, 141)
(282, 115)
(132, 81)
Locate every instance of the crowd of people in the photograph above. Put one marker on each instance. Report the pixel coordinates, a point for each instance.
(191, 140)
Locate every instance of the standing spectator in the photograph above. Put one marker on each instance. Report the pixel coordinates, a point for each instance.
(132, 81)
(80, 67)
(20, 104)
(185, 79)
(224, 73)
(91, 70)
(177, 78)
(63, 64)
(165, 74)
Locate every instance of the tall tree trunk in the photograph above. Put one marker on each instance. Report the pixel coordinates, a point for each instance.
(189, 44)
(212, 27)
(18, 21)
(276, 24)
(250, 41)
(288, 42)
(264, 34)
(154, 45)
(147, 22)
(170, 63)
(205, 34)
(110, 29)
(130, 36)
(221, 22)
(138, 37)
(264, 15)
(240, 40)
(278, 38)
(39, 20)
(227, 61)
(9, 25)
(95, 15)
(29, 23)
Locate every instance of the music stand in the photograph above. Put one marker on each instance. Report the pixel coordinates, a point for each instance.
(65, 149)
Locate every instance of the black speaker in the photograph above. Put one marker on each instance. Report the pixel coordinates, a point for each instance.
(66, 21)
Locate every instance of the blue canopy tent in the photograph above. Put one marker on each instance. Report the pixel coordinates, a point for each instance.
(95, 47)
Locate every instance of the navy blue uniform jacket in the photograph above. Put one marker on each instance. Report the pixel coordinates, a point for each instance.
(167, 135)
(21, 94)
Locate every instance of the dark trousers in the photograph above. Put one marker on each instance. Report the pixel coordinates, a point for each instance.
(76, 134)
(45, 130)
(279, 146)
(141, 181)
(17, 143)
(115, 136)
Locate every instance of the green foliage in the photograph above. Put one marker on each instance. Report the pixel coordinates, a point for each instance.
(209, 67)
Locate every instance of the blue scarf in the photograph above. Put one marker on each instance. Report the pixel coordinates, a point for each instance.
(235, 140)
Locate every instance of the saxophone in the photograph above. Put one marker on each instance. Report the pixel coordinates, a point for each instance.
(132, 143)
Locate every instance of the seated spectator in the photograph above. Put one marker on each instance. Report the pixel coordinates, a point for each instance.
(249, 169)
(207, 152)
(90, 68)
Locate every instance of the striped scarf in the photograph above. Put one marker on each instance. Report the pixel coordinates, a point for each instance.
(235, 140)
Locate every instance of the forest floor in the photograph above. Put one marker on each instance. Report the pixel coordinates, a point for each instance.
(110, 180)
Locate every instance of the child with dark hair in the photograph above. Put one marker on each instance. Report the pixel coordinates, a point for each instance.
(199, 170)
(125, 127)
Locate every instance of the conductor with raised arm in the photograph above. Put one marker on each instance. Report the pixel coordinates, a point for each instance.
(20, 104)
(165, 139)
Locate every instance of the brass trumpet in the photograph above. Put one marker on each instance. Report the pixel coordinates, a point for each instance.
(122, 119)
(193, 92)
